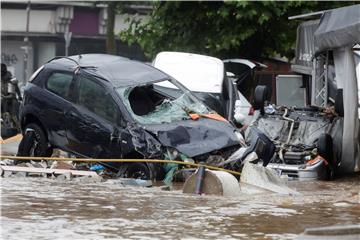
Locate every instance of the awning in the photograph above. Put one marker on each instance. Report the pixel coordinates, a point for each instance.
(338, 28)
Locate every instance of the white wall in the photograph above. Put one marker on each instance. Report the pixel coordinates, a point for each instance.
(43, 21)
(46, 51)
(13, 56)
(14, 20)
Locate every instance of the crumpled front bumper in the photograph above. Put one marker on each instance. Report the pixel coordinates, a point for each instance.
(316, 171)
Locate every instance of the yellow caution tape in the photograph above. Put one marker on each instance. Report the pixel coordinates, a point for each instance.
(118, 161)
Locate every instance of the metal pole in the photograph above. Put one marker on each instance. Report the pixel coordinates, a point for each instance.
(313, 83)
(199, 179)
(26, 41)
(326, 79)
(67, 37)
(66, 50)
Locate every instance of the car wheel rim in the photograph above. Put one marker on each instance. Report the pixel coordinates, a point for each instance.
(139, 175)
(35, 150)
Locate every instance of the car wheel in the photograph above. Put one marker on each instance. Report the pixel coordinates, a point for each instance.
(135, 170)
(260, 96)
(325, 150)
(34, 142)
(158, 171)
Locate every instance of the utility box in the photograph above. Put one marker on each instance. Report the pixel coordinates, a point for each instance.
(290, 91)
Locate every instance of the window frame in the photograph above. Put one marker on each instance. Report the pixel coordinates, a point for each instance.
(102, 85)
(35, 75)
(70, 96)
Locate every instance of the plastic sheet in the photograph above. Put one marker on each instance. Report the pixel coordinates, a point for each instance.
(338, 28)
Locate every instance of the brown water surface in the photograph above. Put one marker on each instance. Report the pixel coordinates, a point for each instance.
(36, 208)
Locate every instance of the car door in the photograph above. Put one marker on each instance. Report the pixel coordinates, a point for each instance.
(228, 98)
(93, 122)
(243, 70)
(55, 101)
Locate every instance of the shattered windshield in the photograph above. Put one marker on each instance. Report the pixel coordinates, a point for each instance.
(156, 104)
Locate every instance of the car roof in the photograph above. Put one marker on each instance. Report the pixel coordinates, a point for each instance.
(119, 71)
(247, 62)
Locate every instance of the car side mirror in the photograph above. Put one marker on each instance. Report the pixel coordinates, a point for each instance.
(14, 81)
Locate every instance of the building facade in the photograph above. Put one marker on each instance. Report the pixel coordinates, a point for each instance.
(48, 23)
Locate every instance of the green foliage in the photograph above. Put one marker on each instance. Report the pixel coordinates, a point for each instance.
(224, 29)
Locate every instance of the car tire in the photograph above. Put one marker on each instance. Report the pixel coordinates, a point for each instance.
(145, 171)
(339, 103)
(260, 96)
(34, 142)
(158, 171)
(135, 170)
(325, 150)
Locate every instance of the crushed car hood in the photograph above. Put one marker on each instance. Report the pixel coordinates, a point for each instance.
(195, 138)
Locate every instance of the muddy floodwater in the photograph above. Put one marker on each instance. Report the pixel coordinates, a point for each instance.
(36, 208)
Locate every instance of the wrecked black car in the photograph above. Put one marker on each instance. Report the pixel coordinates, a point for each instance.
(103, 106)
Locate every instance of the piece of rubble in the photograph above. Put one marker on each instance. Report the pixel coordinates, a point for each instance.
(256, 178)
(346, 232)
(7, 162)
(61, 177)
(21, 164)
(61, 165)
(165, 188)
(36, 164)
(20, 174)
(56, 173)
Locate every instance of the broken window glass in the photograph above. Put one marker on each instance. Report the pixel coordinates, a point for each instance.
(155, 104)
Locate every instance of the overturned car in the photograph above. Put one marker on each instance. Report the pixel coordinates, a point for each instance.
(315, 124)
(306, 139)
(104, 106)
